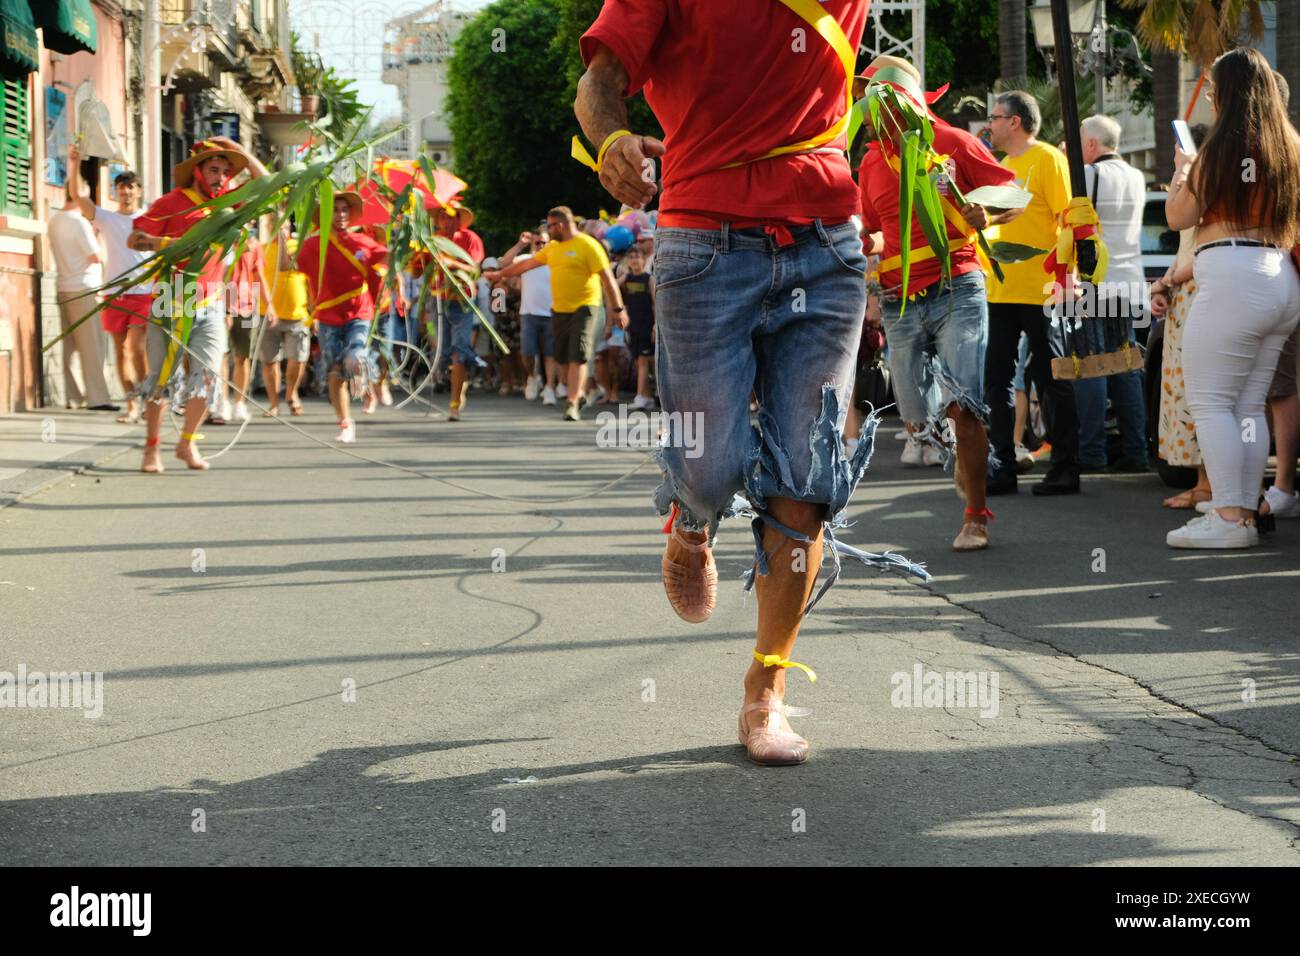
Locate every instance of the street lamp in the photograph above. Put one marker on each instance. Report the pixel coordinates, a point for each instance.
(1087, 24)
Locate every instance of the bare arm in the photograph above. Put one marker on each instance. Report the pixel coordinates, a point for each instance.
(515, 269)
(514, 250)
(1182, 209)
(628, 168)
(613, 300)
(74, 185)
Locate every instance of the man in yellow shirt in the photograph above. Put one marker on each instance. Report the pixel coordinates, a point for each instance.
(580, 271)
(288, 335)
(1023, 303)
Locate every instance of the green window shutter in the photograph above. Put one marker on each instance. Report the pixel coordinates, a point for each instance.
(15, 148)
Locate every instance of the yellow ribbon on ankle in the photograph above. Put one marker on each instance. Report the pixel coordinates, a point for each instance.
(189, 437)
(775, 660)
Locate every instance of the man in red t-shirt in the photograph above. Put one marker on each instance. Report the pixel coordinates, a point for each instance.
(455, 318)
(342, 301)
(947, 324)
(204, 175)
(760, 285)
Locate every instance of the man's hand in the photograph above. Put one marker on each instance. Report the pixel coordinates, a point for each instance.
(74, 156)
(525, 239)
(629, 170)
(141, 241)
(977, 216)
(622, 318)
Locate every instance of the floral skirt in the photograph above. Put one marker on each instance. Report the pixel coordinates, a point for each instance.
(1177, 443)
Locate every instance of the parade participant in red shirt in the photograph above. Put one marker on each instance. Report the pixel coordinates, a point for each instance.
(342, 300)
(205, 175)
(760, 284)
(248, 297)
(456, 318)
(947, 324)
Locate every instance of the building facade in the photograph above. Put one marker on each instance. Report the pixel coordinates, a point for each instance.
(221, 62)
(416, 50)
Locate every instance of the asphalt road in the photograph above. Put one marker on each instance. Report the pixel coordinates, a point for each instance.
(366, 665)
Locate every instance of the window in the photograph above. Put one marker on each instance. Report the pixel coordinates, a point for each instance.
(15, 148)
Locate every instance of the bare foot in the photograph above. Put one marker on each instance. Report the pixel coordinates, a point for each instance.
(370, 404)
(187, 453)
(152, 463)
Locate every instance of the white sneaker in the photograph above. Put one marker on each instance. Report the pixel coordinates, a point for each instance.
(241, 411)
(642, 402)
(1024, 455)
(931, 456)
(1211, 531)
(548, 396)
(227, 412)
(912, 455)
(533, 388)
(561, 391)
(600, 395)
(1202, 507)
(902, 434)
(347, 433)
(1280, 504)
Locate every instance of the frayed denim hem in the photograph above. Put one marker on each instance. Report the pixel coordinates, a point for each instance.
(769, 476)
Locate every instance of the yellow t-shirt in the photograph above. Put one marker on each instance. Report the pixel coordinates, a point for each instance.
(575, 264)
(289, 287)
(1045, 172)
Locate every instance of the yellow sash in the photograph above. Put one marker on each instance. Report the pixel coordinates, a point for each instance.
(356, 264)
(951, 214)
(825, 24)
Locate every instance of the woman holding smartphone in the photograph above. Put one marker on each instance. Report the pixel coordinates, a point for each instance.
(1242, 193)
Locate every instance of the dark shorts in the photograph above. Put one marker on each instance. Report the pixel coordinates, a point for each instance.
(575, 334)
(242, 328)
(1284, 379)
(641, 340)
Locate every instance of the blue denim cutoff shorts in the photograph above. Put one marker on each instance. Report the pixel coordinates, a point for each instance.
(735, 312)
(454, 328)
(343, 347)
(936, 350)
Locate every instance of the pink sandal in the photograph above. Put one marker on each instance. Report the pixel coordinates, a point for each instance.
(692, 592)
(772, 743)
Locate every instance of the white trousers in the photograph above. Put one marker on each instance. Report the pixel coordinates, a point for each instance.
(84, 342)
(1247, 303)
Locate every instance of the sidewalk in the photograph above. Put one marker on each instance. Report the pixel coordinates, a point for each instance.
(38, 449)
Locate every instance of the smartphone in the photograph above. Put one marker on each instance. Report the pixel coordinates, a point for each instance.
(1184, 136)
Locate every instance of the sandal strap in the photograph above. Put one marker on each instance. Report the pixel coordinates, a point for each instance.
(775, 660)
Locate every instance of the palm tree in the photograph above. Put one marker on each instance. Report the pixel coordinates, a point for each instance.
(1197, 29)
(1012, 51)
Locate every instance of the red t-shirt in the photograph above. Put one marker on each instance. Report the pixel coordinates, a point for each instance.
(246, 292)
(174, 214)
(472, 243)
(730, 81)
(342, 276)
(976, 166)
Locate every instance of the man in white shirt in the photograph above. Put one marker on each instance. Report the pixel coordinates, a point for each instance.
(1119, 195)
(77, 259)
(535, 333)
(126, 316)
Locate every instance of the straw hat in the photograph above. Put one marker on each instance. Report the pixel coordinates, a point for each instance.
(183, 174)
(354, 202)
(464, 215)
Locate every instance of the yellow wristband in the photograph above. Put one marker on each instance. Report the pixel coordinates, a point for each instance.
(609, 141)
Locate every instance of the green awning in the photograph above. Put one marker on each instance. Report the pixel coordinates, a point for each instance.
(69, 25)
(18, 53)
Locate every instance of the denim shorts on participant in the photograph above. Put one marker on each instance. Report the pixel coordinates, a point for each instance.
(343, 347)
(735, 312)
(936, 349)
(455, 326)
(195, 367)
(537, 337)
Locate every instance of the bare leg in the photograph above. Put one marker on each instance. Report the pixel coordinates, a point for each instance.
(783, 591)
(338, 395)
(1022, 415)
(643, 376)
(153, 416)
(271, 373)
(551, 371)
(186, 450)
(292, 377)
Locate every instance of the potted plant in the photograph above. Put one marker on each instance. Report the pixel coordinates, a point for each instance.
(308, 72)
